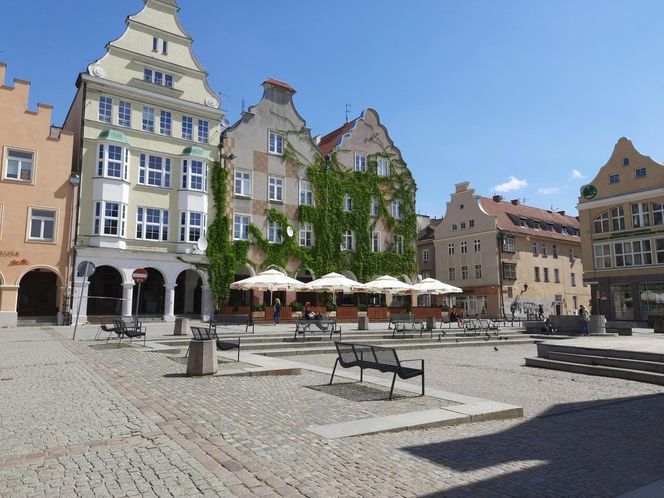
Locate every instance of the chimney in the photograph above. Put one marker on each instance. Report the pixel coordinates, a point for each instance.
(515, 202)
(561, 212)
(497, 198)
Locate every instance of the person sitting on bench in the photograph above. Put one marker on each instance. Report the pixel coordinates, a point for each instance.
(308, 313)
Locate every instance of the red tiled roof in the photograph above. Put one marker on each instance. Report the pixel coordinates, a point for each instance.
(501, 210)
(331, 140)
(278, 83)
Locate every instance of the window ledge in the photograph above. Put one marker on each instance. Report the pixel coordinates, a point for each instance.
(242, 196)
(18, 182)
(274, 201)
(40, 241)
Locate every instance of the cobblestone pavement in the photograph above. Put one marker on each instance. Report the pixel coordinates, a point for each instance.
(83, 422)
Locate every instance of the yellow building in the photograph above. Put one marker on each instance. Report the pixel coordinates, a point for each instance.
(36, 192)
(622, 221)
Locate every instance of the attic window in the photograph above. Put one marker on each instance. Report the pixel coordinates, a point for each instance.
(523, 223)
(625, 161)
(537, 225)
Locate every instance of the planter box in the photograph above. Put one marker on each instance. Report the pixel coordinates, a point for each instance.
(346, 313)
(426, 312)
(258, 315)
(230, 310)
(376, 313)
(362, 313)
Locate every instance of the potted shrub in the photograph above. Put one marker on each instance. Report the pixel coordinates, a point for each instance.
(362, 310)
(258, 311)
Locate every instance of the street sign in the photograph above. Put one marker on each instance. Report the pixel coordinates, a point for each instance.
(140, 275)
(85, 269)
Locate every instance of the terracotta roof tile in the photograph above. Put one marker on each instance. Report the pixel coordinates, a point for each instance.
(331, 140)
(281, 84)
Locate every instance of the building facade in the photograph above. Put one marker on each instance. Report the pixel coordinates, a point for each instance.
(622, 222)
(506, 255)
(426, 254)
(36, 199)
(148, 125)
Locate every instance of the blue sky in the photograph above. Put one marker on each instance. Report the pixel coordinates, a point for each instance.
(520, 97)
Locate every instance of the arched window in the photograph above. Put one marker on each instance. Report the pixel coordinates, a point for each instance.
(602, 222)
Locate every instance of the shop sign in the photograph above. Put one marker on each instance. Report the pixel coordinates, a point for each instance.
(9, 254)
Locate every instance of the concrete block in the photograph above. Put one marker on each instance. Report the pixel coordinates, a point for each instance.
(202, 358)
(181, 326)
(430, 323)
(363, 323)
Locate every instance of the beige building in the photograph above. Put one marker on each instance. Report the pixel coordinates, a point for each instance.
(148, 125)
(508, 255)
(36, 193)
(622, 224)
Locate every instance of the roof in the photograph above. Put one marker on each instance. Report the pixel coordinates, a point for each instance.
(329, 142)
(508, 217)
(281, 84)
(194, 151)
(113, 136)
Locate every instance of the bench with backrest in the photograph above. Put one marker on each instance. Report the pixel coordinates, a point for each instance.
(322, 323)
(131, 329)
(236, 319)
(487, 325)
(377, 358)
(225, 344)
(401, 322)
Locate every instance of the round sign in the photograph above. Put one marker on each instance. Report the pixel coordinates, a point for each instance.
(140, 275)
(85, 269)
(589, 191)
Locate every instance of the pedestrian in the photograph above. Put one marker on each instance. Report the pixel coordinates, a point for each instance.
(585, 319)
(540, 312)
(513, 309)
(277, 311)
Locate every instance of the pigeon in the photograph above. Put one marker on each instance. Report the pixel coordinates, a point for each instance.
(486, 338)
(495, 348)
(457, 340)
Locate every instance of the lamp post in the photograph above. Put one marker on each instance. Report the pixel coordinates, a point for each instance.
(75, 181)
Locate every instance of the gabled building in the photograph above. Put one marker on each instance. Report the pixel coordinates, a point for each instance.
(622, 224)
(506, 255)
(148, 125)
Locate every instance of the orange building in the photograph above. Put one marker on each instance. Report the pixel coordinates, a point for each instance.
(36, 193)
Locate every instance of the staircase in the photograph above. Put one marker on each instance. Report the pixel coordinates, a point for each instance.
(37, 321)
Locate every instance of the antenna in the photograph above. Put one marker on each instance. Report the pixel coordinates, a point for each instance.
(348, 109)
(243, 105)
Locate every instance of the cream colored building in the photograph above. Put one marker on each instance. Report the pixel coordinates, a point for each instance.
(149, 127)
(506, 255)
(36, 198)
(622, 223)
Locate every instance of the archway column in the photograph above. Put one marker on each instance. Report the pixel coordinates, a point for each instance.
(207, 307)
(127, 300)
(169, 302)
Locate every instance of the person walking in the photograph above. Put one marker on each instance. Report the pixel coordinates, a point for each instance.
(585, 319)
(277, 311)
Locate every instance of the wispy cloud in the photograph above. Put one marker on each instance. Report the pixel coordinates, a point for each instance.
(548, 190)
(576, 175)
(513, 184)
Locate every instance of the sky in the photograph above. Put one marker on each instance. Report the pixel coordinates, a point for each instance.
(524, 98)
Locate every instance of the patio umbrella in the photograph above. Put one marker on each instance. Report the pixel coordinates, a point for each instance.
(433, 286)
(335, 282)
(270, 280)
(388, 284)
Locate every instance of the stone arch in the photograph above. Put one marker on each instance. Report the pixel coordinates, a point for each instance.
(239, 297)
(153, 293)
(278, 268)
(188, 293)
(305, 275)
(39, 291)
(40, 267)
(105, 291)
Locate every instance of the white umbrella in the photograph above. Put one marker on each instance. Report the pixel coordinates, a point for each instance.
(335, 282)
(388, 284)
(433, 286)
(270, 280)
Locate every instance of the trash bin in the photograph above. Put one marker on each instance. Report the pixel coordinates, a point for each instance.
(363, 323)
(181, 326)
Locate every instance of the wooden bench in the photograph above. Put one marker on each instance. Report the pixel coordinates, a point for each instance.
(324, 324)
(376, 358)
(237, 319)
(225, 344)
(401, 322)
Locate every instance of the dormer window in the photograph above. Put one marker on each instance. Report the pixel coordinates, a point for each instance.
(537, 225)
(523, 223)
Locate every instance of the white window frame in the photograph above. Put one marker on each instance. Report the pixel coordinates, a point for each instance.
(105, 114)
(400, 244)
(509, 244)
(21, 165)
(124, 113)
(161, 225)
(306, 194)
(374, 207)
(451, 273)
(478, 271)
(240, 229)
(464, 247)
(375, 242)
(104, 162)
(601, 222)
(396, 209)
(348, 240)
(186, 226)
(165, 123)
(203, 131)
(188, 176)
(158, 78)
(426, 255)
(640, 218)
(188, 129)
(603, 255)
(147, 120)
(360, 163)
(348, 203)
(450, 249)
(464, 272)
(657, 212)
(100, 218)
(383, 167)
(43, 221)
(306, 235)
(509, 271)
(242, 179)
(147, 165)
(274, 232)
(275, 143)
(477, 245)
(275, 189)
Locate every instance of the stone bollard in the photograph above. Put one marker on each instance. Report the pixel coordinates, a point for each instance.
(202, 358)
(431, 323)
(181, 326)
(363, 323)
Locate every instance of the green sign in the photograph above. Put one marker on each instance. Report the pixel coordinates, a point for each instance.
(589, 191)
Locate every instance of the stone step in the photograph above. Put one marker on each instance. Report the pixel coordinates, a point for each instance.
(545, 349)
(619, 373)
(646, 366)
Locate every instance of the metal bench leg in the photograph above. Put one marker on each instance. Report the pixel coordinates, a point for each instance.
(394, 379)
(334, 370)
(361, 374)
(423, 381)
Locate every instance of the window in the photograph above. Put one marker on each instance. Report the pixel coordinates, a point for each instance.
(306, 235)
(463, 225)
(509, 243)
(554, 251)
(573, 279)
(396, 210)
(537, 274)
(42, 225)
(158, 78)
(152, 224)
(509, 271)
(192, 226)
(110, 219)
(399, 243)
(464, 248)
(640, 215)
(155, 44)
(374, 206)
(640, 173)
(360, 162)
(574, 302)
(478, 271)
(382, 169)
(113, 161)
(510, 292)
(535, 249)
(549, 227)
(19, 165)
(165, 123)
(564, 231)
(602, 256)
(347, 241)
(618, 218)
(452, 273)
(546, 274)
(537, 225)
(154, 171)
(450, 249)
(572, 256)
(657, 214)
(148, 119)
(203, 131)
(425, 255)
(243, 183)
(476, 245)
(464, 273)
(601, 223)
(274, 232)
(454, 227)
(471, 223)
(124, 114)
(348, 203)
(164, 47)
(168, 81)
(544, 251)
(105, 109)
(187, 128)
(275, 143)
(614, 179)
(306, 193)
(240, 227)
(523, 223)
(556, 275)
(625, 161)
(194, 175)
(375, 242)
(659, 249)
(633, 253)
(275, 189)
